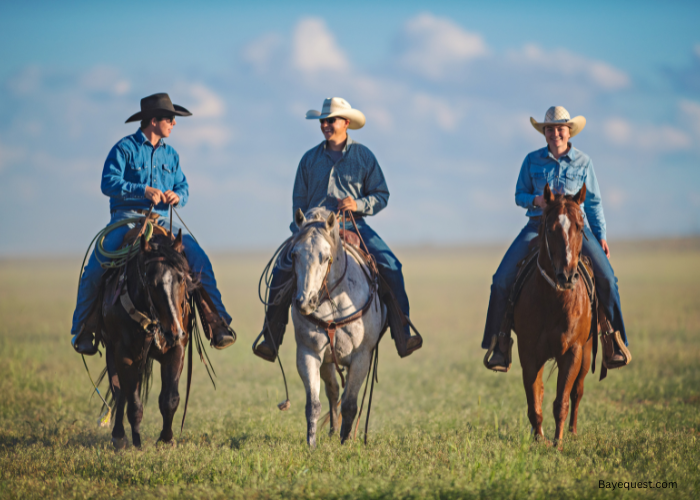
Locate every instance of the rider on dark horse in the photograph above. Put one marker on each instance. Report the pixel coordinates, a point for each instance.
(141, 170)
(341, 174)
(566, 170)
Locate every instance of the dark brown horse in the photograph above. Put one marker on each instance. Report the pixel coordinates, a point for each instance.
(147, 315)
(553, 316)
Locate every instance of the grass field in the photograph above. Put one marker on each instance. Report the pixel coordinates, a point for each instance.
(442, 426)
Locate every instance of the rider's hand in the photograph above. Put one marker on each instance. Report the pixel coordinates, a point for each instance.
(171, 198)
(606, 248)
(347, 204)
(155, 195)
(539, 201)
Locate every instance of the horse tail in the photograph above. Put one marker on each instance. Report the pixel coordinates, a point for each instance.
(554, 367)
(146, 381)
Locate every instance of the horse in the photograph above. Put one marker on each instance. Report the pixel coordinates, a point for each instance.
(146, 315)
(553, 316)
(337, 315)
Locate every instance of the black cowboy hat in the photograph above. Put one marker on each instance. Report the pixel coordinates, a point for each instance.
(158, 105)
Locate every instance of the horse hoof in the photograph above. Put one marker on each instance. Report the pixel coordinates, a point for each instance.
(120, 443)
(166, 444)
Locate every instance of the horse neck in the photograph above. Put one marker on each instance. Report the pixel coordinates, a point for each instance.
(339, 263)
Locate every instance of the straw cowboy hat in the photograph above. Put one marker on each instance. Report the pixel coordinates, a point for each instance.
(158, 105)
(558, 115)
(337, 106)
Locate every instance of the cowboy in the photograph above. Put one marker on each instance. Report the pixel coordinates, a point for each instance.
(341, 175)
(142, 170)
(566, 170)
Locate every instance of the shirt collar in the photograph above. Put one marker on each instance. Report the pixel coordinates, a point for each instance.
(141, 138)
(345, 149)
(571, 155)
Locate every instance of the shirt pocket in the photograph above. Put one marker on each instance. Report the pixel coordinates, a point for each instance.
(136, 171)
(167, 175)
(540, 178)
(573, 179)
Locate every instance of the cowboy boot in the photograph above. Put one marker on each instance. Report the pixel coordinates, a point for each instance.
(215, 329)
(84, 342)
(273, 333)
(501, 349)
(398, 322)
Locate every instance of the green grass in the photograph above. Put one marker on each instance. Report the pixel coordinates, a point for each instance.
(442, 426)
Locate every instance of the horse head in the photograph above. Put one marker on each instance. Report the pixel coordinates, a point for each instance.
(167, 281)
(314, 250)
(561, 234)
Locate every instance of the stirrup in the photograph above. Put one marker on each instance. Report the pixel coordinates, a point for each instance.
(609, 341)
(507, 354)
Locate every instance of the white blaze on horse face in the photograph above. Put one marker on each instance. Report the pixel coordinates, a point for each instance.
(168, 285)
(566, 226)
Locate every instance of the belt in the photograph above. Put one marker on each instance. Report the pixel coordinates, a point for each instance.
(536, 218)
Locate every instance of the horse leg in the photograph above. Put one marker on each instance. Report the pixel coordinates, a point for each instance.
(116, 371)
(308, 366)
(569, 367)
(577, 390)
(356, 375)
(170, 370)
(134, 409)
(333, 392)
(534, 392)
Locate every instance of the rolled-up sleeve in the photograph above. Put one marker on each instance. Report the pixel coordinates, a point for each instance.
(113, 183)
(524, 188)
(593, 206)
(375, 191)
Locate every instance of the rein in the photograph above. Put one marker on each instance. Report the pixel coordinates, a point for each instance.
(544, 274)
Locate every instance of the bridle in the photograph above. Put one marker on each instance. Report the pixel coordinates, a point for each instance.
(544, 274)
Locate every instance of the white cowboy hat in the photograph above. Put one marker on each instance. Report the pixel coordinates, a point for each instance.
(558, 115)
(337, 106)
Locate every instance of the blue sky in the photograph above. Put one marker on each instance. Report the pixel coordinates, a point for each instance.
(447, 88)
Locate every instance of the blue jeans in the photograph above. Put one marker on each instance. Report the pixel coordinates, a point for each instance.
(388, 265)
(605, 281)
(90, 281)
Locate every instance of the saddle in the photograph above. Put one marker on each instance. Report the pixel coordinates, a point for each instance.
(133, 233)
(599, 322)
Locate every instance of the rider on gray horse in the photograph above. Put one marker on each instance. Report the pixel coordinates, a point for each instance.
(340, 174)
(141, 170)
(566, 170)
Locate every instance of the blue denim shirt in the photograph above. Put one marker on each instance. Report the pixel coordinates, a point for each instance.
(566, 175)
(321, 182)
(132, 164)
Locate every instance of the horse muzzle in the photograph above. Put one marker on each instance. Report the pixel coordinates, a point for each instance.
(307, 305)
(567, 280)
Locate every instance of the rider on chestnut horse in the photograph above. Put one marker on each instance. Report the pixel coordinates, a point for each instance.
(566, 170)
(142, 170)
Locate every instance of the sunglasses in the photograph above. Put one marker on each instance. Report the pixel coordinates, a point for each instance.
(168, 119)
(330, 121)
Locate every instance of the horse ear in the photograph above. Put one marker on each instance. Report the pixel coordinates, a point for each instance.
(145, 245)
(299, 218)
(330, 221)
(580, 197)
(548, 196)
(177, 244)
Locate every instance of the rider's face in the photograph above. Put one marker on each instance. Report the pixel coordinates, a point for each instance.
(165, 126)
(334, 128)
(557, 137)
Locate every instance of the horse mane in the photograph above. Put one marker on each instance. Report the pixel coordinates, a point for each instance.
(162, 246)
(316, 219)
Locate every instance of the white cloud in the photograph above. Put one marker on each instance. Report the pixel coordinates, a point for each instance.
(566, 63)
(314, 48)
(443, 113)
(105, 79)
(261, 52)
(208, 104)
(10, 155)
(431, 46)
(646, 137)
(691, 114)
(27, 81)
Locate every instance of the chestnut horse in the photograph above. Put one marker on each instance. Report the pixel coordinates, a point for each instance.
(553, 316)
(147, 314)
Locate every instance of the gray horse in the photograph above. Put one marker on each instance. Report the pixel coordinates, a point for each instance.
(324, 266)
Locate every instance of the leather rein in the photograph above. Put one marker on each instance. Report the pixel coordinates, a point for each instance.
(544, 274)
(331, 326)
